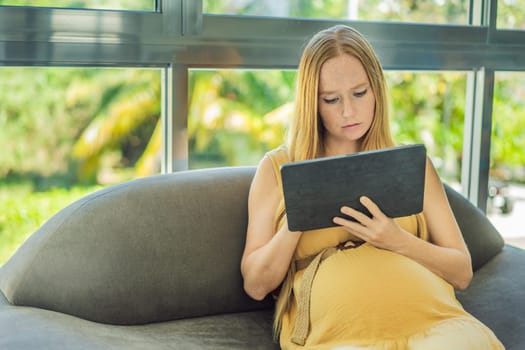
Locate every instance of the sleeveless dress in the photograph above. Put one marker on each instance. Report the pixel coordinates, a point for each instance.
(361, 297)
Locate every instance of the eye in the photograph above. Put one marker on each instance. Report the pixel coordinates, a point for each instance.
(331, 100)
(360, 93)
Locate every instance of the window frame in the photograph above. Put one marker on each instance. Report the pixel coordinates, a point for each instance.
(179, 37)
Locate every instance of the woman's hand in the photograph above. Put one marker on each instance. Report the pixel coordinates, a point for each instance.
(379, 230)
(444, 251)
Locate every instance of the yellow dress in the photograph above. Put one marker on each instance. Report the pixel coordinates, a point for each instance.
(369, 298)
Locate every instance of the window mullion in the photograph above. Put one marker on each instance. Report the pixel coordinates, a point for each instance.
(175, 119)
(477, 136)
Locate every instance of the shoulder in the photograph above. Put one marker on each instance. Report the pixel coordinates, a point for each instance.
(279, 155)
(265, 187)
(269, 166)
(267, 175)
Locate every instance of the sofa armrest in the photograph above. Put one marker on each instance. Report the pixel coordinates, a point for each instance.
(148, 250)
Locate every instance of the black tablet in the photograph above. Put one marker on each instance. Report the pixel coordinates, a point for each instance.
(315, 190)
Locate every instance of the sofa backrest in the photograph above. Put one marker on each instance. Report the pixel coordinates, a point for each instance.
(162, 248)
(481, 237)
(148, 250)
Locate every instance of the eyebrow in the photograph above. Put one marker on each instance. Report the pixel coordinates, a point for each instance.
(360, 85)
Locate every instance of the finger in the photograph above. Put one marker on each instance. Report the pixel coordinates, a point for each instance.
(353, 227)
(356, 214)
(372, 207)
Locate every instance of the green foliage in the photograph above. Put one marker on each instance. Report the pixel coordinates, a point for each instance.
(430, 11)
(429, 108)
(75, 123)
(508, 123)
(22, 211)
(34, 123)
(234, 115)
(511, 14)
(137, 5)
(126, 111)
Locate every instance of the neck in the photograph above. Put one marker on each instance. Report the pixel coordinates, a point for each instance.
(341, 148)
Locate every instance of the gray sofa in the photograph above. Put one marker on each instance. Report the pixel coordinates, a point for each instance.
(154, 264)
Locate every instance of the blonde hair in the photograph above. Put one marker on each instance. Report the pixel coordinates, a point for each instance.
(306, 131)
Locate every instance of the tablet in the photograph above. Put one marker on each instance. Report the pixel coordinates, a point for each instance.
(315, 190)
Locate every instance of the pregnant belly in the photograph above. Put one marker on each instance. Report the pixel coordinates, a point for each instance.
(371, 293)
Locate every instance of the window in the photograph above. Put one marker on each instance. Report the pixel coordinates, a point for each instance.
(428, 107)
(506, 202)
(511, 14)
(68, 133)
(430, 11)
(235, 116)
(132, 5)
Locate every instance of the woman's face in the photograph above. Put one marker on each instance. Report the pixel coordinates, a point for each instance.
(346, 104)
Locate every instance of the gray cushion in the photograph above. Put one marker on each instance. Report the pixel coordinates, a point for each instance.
(24, 328)
(481, 237)
(496, 296)
(123, 255)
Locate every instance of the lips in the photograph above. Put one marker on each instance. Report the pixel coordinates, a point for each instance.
(349, 126)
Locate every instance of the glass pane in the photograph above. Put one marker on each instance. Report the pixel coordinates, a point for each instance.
(506, 202)
(511, 14)
(70, 132)
(235, 116)
(132, 5)
(429, 11)
(429, 108)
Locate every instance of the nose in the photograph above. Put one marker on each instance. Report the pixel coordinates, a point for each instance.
(348, 108)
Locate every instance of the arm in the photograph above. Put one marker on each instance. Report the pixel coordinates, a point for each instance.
(267, 255)
(446, 253)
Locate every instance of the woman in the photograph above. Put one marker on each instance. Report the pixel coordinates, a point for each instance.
(373, 283)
